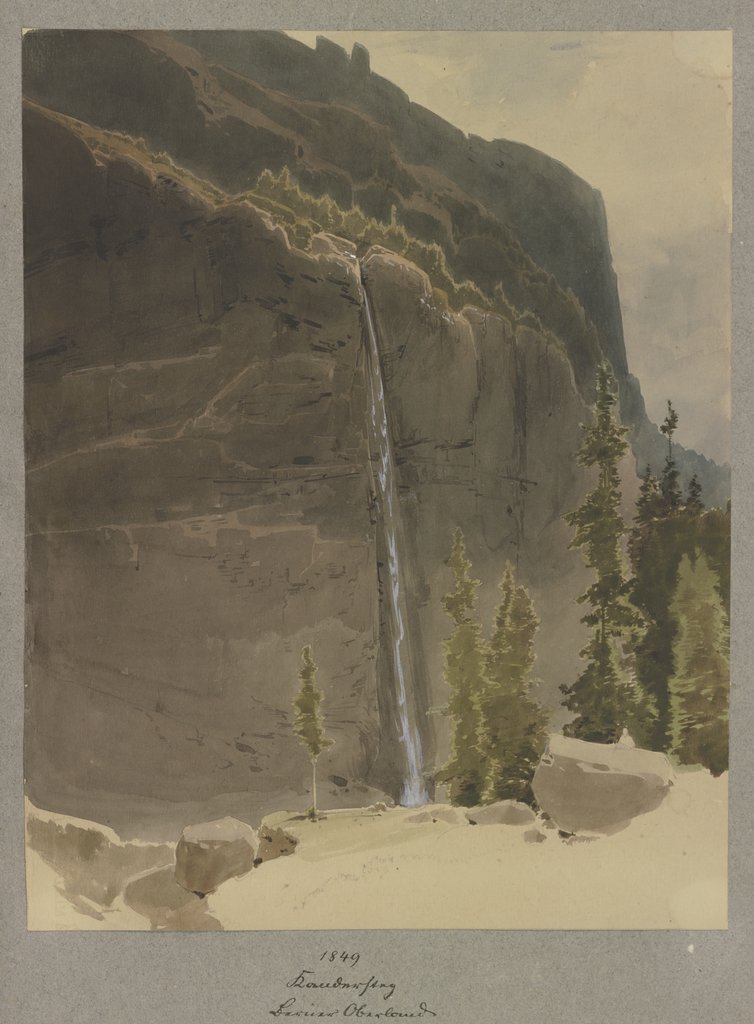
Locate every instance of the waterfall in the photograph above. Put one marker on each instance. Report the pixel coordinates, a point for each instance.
(414, 792)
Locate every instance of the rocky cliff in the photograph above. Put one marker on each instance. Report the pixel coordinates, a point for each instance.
(197, 489)
(557, 217)
(199, 483)
(228, 105)
(200, 487)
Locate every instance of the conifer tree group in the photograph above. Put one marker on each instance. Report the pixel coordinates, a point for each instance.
(606, 696)
(512, 730)
(498, 731)
(656, 661)
(464, 675)
(698, 686)
(657, 657)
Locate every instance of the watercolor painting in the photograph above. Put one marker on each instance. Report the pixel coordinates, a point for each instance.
(377, 479)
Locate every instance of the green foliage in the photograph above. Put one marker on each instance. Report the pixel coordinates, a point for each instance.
(499, 730)
(694, 501)
(305, 215)
(605, 697)
(699, 684)
(665, 531)
(520, 291)
(711, 534)
(512, 726)
(464, 675)
(656, 549)
(648, 508)
(669, 486)
(661, 536)
(309, 723)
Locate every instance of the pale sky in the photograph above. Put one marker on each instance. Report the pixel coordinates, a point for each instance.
(645, 117)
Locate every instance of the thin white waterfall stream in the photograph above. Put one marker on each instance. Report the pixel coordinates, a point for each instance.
(414, 792)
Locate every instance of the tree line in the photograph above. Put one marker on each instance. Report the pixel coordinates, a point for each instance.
(498, 729)
(656, 660)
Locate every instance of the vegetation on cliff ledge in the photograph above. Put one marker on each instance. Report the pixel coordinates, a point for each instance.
(515, 288)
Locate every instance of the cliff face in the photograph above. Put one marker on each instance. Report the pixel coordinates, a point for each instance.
(200, 485)
(228, 105)
(234, 104)
(558, 218)
(485, 420)
(200, 496)
(197, 489)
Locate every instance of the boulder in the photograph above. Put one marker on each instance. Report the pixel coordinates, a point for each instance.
(598, 787)
(533, 835)
(274, 843)
(420, 818)
(504, 812)
(451, 815)
(210, 853)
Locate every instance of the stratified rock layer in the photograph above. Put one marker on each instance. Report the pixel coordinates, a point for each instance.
(200, 489)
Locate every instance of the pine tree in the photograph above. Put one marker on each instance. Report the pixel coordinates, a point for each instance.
(694, 501)
(699, 685)
(464, 675)
(649, 508)
(512, 730)
(604, 697)
(309, 723)
(653, 570)
(669, 486)
(655, 565)
(665, 528)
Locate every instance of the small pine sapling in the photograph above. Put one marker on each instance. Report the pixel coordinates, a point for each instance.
(309, 723)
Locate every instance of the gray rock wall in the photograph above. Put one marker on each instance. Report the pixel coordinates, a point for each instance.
(197, 493)
(200, 492)
(486, 421)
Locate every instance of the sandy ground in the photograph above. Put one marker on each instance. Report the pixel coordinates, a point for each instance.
(356, 869)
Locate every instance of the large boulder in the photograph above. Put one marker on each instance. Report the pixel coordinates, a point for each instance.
(504, 812)
(598, 787)
(210, 853)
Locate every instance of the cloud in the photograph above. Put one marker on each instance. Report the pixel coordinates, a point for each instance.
(677, 324)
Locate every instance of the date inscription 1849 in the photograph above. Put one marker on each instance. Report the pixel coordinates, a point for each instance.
(351, 994)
